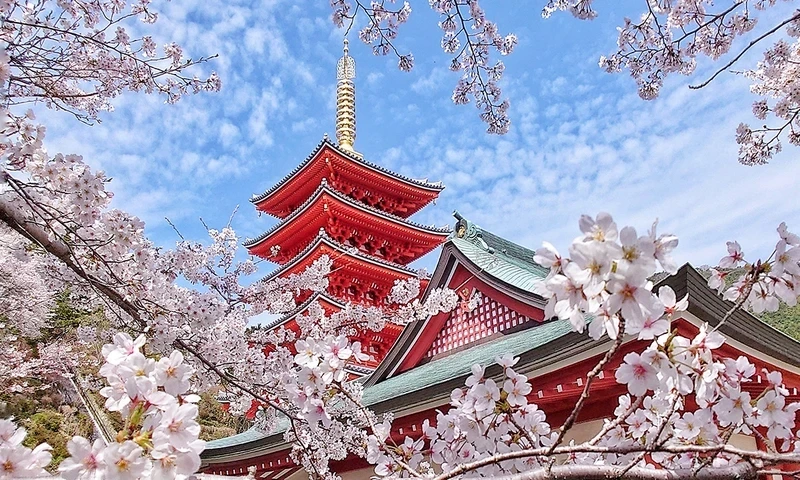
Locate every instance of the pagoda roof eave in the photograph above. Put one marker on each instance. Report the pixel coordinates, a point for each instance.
(419, 184)
(300, 308)
(325, 189)
(323, 238)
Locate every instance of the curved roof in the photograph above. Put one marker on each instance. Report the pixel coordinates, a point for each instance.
(433, 187)
(502, 264)
(323, 238)
(498, 257)
(325, 189)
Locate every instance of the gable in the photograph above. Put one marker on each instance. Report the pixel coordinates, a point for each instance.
(465, 326)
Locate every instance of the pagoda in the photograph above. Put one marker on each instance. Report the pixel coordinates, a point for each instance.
(336, 203)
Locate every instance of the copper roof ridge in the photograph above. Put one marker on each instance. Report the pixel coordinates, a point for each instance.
(324, 187)
(359, 369)
(256, 199)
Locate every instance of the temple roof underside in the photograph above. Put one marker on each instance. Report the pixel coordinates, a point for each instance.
(355, 276)
(354, 177)
(372, 231)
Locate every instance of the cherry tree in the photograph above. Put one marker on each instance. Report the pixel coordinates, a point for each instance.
(176, 338)
(684, 403)
(667, 38)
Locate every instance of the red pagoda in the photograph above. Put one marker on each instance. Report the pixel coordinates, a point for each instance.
(337, 204)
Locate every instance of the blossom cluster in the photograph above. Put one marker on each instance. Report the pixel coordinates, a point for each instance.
(306, 376)
(160, 437)
(775, 78)
(89, 45)
(381, 27)
(469, 36)
(669, 37)
(763, 284)
(484, 419)
(17, 460)
(25, 298)
(607, 277)
(406, 293)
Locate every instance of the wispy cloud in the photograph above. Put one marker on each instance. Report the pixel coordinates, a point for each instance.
(581, 140)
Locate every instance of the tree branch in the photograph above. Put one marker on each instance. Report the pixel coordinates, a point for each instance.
(748, 47)
(741, 471)
(589, 379)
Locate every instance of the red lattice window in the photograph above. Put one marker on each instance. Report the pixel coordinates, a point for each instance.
(465, 326)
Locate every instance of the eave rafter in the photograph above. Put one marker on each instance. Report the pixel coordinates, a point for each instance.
(350, 268)
(284, 196)
(348, 221)
(320, 297)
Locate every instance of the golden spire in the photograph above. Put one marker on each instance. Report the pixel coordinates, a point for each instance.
(346, 101)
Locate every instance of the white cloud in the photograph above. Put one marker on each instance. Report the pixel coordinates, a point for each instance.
(430, 83)
(578, 142)
(254, 40)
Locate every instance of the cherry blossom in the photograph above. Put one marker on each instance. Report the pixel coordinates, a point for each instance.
(16, 460)
(83, 461)
(195, 328)
(638, 374)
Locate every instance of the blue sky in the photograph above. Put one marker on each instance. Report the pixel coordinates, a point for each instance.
(581, 141)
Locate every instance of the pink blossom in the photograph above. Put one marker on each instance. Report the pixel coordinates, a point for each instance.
(734, 257)
(83, 461)
(671, 305)
(637, 374)
(600, 229)
(123, 461)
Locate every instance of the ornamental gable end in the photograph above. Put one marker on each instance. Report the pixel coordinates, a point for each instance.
(478, 318)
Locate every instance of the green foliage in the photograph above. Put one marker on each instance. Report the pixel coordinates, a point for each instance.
(56, 427)
(18, 406)
(47, 420)
(66, 318)
(214, 421)
(786, 319)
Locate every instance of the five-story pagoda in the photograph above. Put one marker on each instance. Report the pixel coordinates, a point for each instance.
(337, 204)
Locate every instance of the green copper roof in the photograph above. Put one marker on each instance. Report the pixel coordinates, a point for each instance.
(460, 363)
(498, 257)
(241, 438)
(435, 372)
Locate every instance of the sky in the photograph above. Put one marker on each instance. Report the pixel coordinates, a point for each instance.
(581, 140)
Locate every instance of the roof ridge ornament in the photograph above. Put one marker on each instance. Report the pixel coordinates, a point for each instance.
(346, 101)
(465, 229)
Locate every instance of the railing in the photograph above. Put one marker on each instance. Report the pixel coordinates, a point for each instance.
(102, 424)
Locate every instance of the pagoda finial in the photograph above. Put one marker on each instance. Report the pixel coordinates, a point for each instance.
(346, 100)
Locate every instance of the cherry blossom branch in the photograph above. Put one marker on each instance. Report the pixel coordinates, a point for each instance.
(616, 421)
(744, 50)
(383, 32)
(622, 450)
(570, 421)
(742, 471)
(61, 251)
